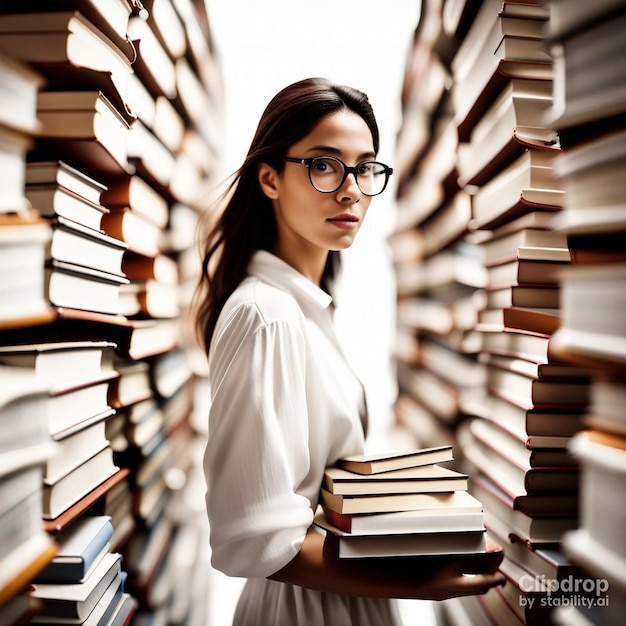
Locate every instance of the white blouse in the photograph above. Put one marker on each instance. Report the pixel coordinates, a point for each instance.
(284, 405)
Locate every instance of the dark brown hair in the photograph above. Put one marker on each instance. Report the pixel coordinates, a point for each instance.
(247, 223)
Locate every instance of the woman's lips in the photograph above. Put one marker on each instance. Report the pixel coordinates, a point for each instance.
(346, 221)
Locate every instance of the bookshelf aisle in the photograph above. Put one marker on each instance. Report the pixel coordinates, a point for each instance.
(109, 143)
(509, 253)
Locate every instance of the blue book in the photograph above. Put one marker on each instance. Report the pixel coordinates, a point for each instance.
(81, 546)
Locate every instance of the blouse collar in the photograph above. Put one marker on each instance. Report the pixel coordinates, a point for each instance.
(274, 271)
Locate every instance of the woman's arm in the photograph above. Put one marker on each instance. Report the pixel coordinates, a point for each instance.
(317, 567)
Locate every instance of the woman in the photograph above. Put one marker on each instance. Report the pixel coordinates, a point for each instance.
(285, 404)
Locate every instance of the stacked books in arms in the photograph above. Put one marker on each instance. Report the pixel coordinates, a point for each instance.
(402, 504)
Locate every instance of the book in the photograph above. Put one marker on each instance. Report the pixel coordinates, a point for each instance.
(149, 299)
(170, 373)
(168, 26)
(23, 244)
(602, 247)
(454, 502)
(22, 395)
(110, 16)
(539, 321)
(18, 610)
(59, 173)
(134, 339)
(547, 562)
(75, 405)
(131, 386)
(425, 479)
(68, 49)
(66, 491)
(375, 463)
(76, 448)
(56, 200)
(524, 296)
(550, 370)
(14, 146)
(84, 127)
(512, 124)
(20, 84)
(527, 345)
(535, 391)
(603, 463)
(76, 244)
(591, 176)
(530, 244)
(94, 497)
(136, 194)
(404, 522)
(527, 184)
(77, 360)
(168, 126)
(152, 160)
(401, 545)
(587, 73)
(525, 602)
(81, 545)
(73, 286)
(607, 396)
(26, 562)
(591, 296)
(140, 235)
(525, 272)
(153, 65)
(75, 601)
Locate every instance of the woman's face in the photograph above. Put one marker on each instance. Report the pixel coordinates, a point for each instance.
(311, 223)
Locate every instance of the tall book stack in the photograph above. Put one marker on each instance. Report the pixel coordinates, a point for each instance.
(510, 149)
(437, 261)
(507, 153)
(121, 147)
(589, 108)
(402, 505)
(25, 442)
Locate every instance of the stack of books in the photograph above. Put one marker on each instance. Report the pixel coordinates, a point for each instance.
(84, 583)
(401, 505)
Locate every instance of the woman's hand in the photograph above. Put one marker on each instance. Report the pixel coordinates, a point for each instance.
(316, 566)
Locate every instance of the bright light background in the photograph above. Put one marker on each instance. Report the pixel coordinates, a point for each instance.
(265, 45)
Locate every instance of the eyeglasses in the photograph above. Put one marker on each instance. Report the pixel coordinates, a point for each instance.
(327, 174)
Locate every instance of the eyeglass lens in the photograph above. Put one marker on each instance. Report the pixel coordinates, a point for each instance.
(328, 174)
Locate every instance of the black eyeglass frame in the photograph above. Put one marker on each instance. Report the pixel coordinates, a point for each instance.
(347, 170)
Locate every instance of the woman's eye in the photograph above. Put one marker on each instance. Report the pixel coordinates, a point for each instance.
(365, 169)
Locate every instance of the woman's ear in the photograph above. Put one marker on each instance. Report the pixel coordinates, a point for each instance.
(268, 180)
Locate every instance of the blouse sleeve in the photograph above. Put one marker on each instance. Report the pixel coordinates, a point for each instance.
(257, 451)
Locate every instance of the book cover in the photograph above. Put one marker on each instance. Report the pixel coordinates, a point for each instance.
(404, 522)
(375, 463)
(61, 495)
(405, 544)
(425, 479)
(75, 601)
(457, 502)
(80, 547)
